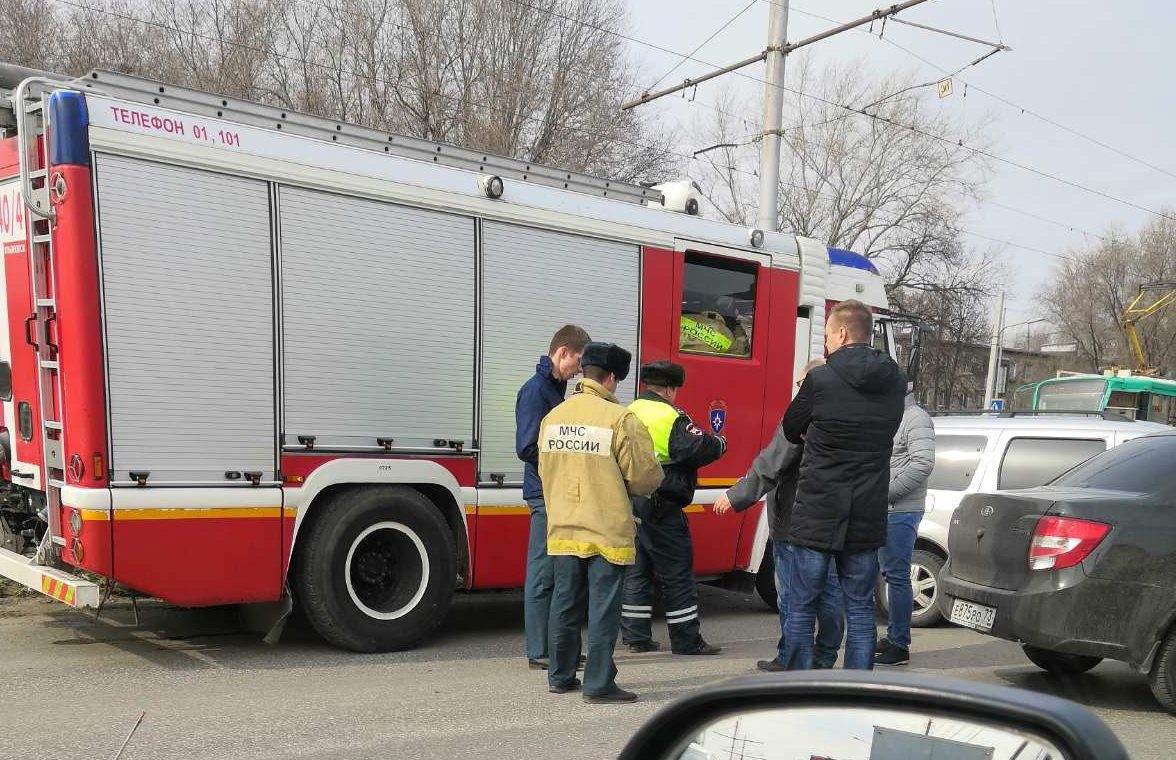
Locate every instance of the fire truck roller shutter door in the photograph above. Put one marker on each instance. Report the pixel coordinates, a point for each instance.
(378, 321)
(188, 294)
(535, 281)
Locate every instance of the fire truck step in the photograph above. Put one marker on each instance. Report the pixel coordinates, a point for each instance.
(39, 239)
(57, 483)
(46, 302)
(53, 424)
(60, 585)
(49, 365)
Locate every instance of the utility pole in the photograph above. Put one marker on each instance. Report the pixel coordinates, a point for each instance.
(769, 189)
(994, 352)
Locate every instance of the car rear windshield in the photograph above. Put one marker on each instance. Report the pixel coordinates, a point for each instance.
(1030, 462)
(1142, 465)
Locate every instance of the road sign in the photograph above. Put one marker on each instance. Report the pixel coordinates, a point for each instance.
(998, 405)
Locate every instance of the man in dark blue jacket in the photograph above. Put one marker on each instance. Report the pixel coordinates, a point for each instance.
(538, 396)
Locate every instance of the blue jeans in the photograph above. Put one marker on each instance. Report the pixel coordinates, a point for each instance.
(589, 588)
(895, 558)
(858, 573)
(538, 584)
(830, 609)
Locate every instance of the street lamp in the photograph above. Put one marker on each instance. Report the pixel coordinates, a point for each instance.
(1000, 349)
(996, 348)
(1020, 324)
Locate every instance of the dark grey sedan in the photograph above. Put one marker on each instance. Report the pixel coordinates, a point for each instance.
(1077, 571)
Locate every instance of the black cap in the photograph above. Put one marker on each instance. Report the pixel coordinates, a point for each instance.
(609, 357)
(664, 374)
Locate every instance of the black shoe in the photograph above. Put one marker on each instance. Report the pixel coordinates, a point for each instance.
(823, 665)
(893, 656)
(565, 688)
(617, 696)
(641, 647)
(882, 646)
(703, 648)
(771, 666)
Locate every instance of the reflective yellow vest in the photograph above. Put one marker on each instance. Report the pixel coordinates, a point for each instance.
(658, 418)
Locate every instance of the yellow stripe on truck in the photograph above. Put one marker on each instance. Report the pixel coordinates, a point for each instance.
(197, 514)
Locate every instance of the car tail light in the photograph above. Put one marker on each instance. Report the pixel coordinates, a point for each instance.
(1061, 542)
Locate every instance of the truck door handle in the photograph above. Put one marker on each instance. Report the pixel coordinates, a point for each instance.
(25, 475)
(29, 336)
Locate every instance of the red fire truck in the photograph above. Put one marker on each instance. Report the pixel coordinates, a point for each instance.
(253, 355)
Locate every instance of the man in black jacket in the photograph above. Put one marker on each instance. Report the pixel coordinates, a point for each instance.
(663, 535)
(774, 474)
(846, 414)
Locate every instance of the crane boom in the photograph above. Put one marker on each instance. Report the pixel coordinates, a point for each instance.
(1139, 309)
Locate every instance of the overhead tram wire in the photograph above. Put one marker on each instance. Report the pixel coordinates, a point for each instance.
(667, 151)
(1000, 98)
(1022, 212)
(956, 142)
(704, 43)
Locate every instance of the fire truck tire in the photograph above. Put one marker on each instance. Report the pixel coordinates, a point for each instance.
(765, 579)
(375, 572)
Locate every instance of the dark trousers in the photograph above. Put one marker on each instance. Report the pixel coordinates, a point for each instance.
(585, 588)
(538, 584)
(858, 573)
(664, 548)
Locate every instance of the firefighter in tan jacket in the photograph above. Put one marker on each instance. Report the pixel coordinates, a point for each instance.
(594, 456)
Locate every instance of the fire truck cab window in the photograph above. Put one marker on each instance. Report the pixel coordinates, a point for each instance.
(718, 306)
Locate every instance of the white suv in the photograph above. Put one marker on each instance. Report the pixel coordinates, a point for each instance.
(990, 452)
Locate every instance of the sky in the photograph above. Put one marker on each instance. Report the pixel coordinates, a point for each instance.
(1101, 69)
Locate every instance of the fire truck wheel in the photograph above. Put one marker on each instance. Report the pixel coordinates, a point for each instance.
(765, 579)
(376, 570)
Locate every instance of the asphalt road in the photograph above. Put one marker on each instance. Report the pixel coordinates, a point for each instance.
(72, 688)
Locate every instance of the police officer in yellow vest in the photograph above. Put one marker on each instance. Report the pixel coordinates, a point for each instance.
(663, 536)
(594, 456)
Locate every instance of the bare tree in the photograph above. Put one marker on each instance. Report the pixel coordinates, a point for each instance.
(1092, 287)
(540, 80)
(30, 34)
(882, 184)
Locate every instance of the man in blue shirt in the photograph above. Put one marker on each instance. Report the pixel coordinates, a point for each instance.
(538, 396)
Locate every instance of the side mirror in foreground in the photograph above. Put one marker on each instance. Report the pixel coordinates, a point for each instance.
(852, 715)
